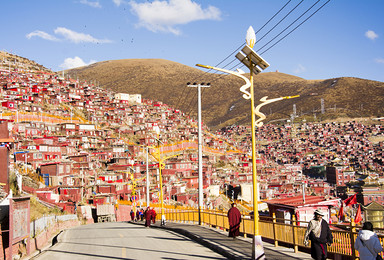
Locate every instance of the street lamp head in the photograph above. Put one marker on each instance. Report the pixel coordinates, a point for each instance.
(251, 37)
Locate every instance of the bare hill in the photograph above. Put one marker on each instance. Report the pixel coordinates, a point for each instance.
(13, 61)
(223, 104)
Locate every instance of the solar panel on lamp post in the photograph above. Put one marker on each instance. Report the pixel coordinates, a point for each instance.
(256, 64)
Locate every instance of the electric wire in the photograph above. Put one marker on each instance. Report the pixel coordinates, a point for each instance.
(241, 65)
(296, 27)
(281, 20)
(286, 28)
(258, 32)
(207, 72)
(281, 33)
(273, 16)
(227, 57)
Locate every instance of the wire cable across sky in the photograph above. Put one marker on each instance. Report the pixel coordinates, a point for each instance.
(267, 46)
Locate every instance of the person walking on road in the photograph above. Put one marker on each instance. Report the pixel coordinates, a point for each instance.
(148, 217)
(367, 243)
(132, 214)
(153, 215)
(234, 219)
(320, 235)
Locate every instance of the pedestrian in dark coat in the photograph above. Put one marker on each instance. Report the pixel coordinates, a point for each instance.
(132, 215)
(137, 215)
(320, 235)
(234, 219)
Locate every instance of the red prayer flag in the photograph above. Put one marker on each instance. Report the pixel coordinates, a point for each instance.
(351, 200)
(358, 217)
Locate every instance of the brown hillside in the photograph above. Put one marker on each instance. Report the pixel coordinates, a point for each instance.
(12, 61)
(223, 104)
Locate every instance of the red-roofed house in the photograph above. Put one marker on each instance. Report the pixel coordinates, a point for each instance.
(303, 209)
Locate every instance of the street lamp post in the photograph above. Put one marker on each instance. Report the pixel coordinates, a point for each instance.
(161, 166)
(255, 64)
(200, 144)
(147, 176)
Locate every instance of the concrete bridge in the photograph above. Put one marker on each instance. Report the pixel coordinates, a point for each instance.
(131, 240)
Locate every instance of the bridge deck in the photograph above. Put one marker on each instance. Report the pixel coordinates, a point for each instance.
(240, 248)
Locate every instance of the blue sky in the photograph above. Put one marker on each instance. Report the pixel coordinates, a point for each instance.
(345, 38)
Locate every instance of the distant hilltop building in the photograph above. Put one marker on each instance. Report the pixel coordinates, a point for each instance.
(128, 97)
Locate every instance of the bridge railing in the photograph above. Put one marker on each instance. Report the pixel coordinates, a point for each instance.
(284, 231)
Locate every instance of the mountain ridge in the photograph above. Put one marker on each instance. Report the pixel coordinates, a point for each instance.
(164, 80)
(222, 103)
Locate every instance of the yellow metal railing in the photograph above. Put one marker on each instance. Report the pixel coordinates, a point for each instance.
(278, 230)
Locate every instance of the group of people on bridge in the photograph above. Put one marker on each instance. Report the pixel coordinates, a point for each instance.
(149, 214)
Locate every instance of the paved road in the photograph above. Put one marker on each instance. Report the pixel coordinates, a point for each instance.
(119, 240)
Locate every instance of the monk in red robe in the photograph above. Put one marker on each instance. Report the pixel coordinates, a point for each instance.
(153, 212)
(234, 219)
(148, 216)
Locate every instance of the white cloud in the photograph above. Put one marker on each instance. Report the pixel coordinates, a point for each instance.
(379, 60)
(43, 35)
(70, 63)
(95, 4)
(164, 15)
(68, 35)
(299, 69)
(78, 37)
(371, 35)
(118, 2)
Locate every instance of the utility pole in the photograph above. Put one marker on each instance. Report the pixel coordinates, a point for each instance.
(200, 145)
(147, 177)
(82, 182)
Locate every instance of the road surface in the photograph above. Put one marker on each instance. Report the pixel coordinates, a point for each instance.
(118, 240)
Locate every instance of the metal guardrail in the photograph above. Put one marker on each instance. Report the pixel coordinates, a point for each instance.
(279, 230)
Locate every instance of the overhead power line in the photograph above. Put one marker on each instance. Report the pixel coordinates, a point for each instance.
(281, 20)
(269, 42)
(296, 27)
(236, 50)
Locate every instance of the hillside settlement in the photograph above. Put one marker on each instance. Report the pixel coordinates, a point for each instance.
(73, 143)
